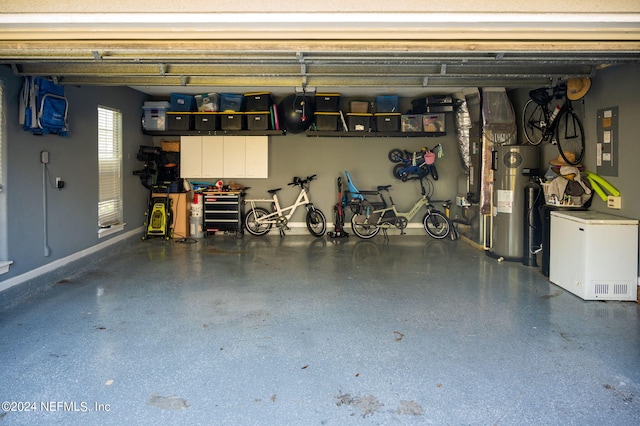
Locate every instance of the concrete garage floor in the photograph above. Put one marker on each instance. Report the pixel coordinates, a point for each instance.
(308, 331)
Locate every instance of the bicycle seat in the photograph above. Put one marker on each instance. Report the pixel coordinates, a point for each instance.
(540, 96)
(352, 188)
(383, 187)
(273, 191)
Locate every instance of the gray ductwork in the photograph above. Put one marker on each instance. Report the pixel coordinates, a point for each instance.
(463, 126)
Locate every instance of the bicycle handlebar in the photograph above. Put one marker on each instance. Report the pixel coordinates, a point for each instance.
(298, 181)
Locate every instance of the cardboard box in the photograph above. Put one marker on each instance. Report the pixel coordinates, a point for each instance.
(170, 146)
(359, 107)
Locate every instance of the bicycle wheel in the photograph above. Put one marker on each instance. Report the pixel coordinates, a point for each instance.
(436, 224)
(398, 171)
(534, 122)
(362, 230)
(570, 137)
(396, 155)
(251, 224)
(316, 222)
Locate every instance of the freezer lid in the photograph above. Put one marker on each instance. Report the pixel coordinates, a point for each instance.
(592, 217)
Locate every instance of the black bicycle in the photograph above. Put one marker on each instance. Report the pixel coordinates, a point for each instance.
(559, 124)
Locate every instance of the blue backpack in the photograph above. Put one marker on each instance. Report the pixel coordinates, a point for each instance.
(45, 107)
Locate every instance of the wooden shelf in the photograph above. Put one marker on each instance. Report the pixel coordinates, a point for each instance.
(216, 133)
(339, 134)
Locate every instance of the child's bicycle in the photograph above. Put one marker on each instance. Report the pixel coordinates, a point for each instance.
(559, 125)
(412, 164)
(258, 220)
(368, 219)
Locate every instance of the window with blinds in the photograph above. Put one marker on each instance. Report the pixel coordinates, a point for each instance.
(2, 124)
(109, 167)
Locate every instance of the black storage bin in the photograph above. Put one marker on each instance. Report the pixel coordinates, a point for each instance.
(257, 101)
(258, 120)
(327, 121)
(180, 121)
(435, 103)
(388, 122)
(359, 122)
(206, 121)
(327, 102)
(232, 121)
(439, 103)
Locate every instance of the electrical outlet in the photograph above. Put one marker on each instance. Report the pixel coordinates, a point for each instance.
(59, 183)
(614, 202)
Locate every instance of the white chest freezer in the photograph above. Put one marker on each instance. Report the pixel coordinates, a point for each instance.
(594, 255)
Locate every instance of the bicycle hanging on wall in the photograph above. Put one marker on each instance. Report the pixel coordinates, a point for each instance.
(549, 117)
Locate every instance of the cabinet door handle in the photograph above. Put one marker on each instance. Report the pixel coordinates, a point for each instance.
(581, 229)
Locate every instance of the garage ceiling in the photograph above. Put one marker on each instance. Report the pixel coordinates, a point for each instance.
(349, 53)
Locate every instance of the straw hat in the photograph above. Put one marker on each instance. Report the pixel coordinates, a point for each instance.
(578, 87)
(560, 161)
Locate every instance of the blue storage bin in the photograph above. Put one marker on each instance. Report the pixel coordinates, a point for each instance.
(387, 104)
(231, 102)
(182, 103)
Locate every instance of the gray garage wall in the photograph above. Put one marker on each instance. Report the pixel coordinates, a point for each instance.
(365, 158)
(72, 211)
(618, 86)
(613, 86)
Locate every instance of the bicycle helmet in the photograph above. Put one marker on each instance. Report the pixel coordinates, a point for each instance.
(540, 96)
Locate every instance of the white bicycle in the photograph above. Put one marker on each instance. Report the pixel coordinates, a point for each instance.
(258, 220)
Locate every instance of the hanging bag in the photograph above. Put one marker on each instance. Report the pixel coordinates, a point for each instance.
(45, 107)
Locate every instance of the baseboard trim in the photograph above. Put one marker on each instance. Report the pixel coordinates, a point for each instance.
(52, 266)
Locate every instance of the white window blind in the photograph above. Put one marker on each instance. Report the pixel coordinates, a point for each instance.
(2, 124)
(109, 167)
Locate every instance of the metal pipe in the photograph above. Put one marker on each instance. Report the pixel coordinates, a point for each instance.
(47, 251)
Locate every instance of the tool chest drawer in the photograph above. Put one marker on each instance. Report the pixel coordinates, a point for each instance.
(223, 212)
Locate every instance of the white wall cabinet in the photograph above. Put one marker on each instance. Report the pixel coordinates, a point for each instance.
(594, 255)
(224, 157)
